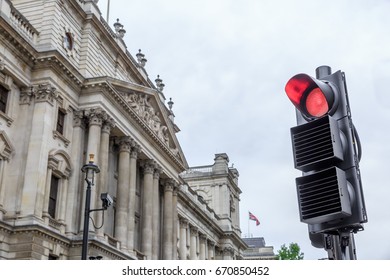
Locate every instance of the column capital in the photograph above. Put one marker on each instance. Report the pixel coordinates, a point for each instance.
(176, 188)
(108, 124)
(148, 166)
(169, 184)
(45, 93)
(157, 171)
(135, 150)
(202, 236)
(96, 116)
(124, 143)
(78, 118)
(183, 222)
(193, 230)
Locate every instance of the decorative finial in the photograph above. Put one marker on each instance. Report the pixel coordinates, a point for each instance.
(141, 58)
(117, 25)
(170, 103)
(159, 83)
(122, 32)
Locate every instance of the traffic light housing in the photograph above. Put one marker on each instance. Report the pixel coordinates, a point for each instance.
(329, 192)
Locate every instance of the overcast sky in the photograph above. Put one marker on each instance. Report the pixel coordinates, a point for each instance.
(225, 64)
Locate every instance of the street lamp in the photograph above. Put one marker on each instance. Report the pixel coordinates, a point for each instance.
(89, 169)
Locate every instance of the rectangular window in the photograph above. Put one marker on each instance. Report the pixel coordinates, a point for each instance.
(53, 196)
(3, 98)
(61, 121)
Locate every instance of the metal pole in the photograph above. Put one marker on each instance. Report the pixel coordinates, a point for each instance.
(84, 251)
(108, 10)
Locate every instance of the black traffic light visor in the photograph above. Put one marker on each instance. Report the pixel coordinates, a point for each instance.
(314, 98)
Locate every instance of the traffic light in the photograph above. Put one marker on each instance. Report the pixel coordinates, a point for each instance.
(327, 150)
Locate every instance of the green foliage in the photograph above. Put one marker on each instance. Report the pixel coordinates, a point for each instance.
(293, 252)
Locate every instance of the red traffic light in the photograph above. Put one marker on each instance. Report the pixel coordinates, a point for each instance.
(314, 98)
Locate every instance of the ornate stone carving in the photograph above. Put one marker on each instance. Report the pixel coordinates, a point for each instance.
(26, 95)
(148, 166)
(78, 118)
(169, 184)
(157, 171)
(96, 116)
(45, 93)
(42, 93)
(124, 144)
(108, 125)
(193, 230)
(136, 149)
(183, 222)
(140, 103)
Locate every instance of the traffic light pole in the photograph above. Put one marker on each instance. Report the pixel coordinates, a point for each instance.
(340, 246)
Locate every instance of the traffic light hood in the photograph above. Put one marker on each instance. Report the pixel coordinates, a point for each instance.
(312, 97)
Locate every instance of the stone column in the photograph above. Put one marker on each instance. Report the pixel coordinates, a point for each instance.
(202, 246)
(183, 239)
(156, 214)
(211, 248)
(122, 196)
(193, 242)
(73, 213)
(37, 151)
(168, 219)
(95, 116)
(147, 209)
(175, 221)
(135, 150)
(103, 175)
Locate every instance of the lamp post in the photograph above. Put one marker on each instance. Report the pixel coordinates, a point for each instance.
(89, 169)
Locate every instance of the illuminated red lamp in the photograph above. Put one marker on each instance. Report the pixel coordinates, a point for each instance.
(314, 98)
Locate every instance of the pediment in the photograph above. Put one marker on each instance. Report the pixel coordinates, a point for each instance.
(155, 116)
(6, 147)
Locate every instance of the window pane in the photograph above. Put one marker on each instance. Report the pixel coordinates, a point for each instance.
(3, 98)
(53, 196)
(60, 121)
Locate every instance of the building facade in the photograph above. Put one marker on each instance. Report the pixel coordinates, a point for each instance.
(69, 88)
(257, 250)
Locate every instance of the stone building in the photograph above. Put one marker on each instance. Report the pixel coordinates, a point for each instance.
(70, 88)
(257, 250)
(216, 189)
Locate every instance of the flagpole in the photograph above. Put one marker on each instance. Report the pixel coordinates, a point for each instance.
(108, 10)
(249, 233)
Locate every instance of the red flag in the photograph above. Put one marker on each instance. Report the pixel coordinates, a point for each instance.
(253, 218)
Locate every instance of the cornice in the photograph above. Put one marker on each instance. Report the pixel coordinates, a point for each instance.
(91, 85)
(185, 200)
(17, 43)
(55, 61)
(236, 239)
